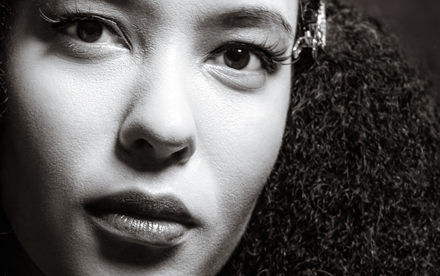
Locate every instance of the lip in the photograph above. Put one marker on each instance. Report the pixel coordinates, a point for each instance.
(160, 221)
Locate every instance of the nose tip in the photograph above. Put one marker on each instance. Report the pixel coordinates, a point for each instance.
(158, 143)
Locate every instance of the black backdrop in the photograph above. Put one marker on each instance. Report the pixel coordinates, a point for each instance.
(417, 24)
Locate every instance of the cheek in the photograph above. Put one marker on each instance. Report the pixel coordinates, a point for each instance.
(59, 118)
(239, 136)
(241, 143)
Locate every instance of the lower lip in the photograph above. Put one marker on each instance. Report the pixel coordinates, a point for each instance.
(153, 232)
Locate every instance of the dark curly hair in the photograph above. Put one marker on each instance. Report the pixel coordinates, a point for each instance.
(356, 187)
(355, 190)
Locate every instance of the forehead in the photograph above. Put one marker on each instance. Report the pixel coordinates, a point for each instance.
(282, 12)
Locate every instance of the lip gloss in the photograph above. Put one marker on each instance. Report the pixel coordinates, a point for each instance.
(154, 232)
(160, 221)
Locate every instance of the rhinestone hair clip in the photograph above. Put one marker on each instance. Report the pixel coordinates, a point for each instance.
(313, 31)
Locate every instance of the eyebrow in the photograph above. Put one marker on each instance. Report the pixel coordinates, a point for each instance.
(250, 18)
(245, 17)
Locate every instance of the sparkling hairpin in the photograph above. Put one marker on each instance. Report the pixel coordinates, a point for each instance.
(314, 31)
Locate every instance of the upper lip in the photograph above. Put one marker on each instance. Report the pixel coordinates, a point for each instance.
(143, 206)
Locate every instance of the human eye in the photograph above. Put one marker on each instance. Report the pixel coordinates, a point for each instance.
(245, 66)
(246, 57)
(86, 36)
(89, 31)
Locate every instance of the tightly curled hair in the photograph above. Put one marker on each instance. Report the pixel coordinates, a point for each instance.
(355, 190)
(4, 31)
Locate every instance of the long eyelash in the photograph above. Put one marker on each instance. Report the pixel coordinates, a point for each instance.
(271, 57)
(59, 20)
(58, 17)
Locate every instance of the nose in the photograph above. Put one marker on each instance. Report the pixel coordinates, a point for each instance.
(159, 127)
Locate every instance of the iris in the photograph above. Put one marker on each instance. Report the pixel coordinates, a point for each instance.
(89, 31)
(237, 58)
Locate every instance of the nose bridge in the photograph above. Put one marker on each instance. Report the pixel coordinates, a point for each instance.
(160, 123)
(171, 67)
(168, 95)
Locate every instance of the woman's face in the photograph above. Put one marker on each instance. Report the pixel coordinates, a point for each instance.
(140, 133)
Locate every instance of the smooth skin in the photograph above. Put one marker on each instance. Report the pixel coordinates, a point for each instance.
(149, 106)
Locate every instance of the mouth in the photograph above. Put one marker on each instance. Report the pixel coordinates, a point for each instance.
(155, 221)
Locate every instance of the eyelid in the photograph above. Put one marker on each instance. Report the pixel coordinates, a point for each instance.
(60, 21)
(271, 58)
(236, 79)
(230, 45)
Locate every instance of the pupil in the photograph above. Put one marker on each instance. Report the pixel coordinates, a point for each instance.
(89, 31)
(237, 58)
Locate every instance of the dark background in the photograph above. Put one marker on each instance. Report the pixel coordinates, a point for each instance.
(416, 23)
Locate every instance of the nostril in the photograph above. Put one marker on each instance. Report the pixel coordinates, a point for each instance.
(141, 144)
(160, 150)
(182, 155)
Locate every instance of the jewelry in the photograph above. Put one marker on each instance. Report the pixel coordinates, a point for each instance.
(313, 31)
